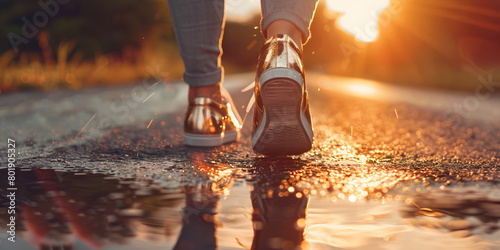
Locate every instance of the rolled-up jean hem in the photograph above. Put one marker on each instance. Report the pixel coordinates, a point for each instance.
(205, 79)
(287, 15)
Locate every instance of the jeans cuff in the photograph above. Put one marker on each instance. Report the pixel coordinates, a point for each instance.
(205, 79)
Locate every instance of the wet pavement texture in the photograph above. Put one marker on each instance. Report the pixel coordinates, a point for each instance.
(391, 168)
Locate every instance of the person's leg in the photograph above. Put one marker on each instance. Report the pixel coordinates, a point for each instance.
(210, 119)
(290, 17)
(199, 27)
(285, 27)
(282, 121)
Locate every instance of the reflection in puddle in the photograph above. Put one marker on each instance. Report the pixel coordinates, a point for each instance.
(279, 205)
(274, 204)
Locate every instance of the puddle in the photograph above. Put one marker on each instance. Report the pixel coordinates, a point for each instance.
(274, 204)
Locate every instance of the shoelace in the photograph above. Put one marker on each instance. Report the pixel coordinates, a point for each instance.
(251, 102)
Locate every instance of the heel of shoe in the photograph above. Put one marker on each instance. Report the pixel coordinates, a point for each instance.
(210, 124)
(282, 130)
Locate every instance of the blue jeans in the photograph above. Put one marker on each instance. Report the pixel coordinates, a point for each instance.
(199, 27)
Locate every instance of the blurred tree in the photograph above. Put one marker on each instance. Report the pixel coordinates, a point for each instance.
(95, 26)
(241, 45)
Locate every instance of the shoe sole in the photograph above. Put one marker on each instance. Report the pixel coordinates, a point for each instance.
(197, 140)
(284, 130)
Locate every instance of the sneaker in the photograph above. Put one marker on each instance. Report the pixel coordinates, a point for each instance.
(274, 215)
(282, 120)
(209, 123)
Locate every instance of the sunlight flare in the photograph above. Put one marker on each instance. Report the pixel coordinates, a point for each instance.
(359, 17)
(361, 89)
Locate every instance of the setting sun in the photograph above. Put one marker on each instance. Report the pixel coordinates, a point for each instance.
(359, 17)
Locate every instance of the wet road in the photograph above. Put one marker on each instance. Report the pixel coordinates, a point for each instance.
(391, 167)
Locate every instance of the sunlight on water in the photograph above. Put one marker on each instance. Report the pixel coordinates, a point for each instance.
(359, 17)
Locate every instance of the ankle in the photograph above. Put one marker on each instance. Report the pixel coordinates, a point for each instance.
(285, 27)
(211, 91)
